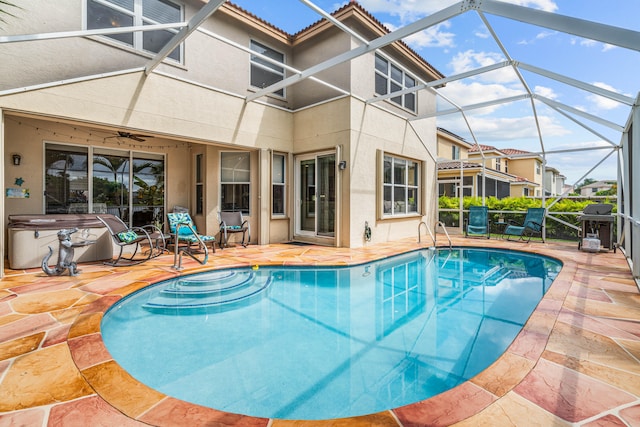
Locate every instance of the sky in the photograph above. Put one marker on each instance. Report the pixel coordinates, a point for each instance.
(465, 43)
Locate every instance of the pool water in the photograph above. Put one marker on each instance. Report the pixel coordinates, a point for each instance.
(320, 343)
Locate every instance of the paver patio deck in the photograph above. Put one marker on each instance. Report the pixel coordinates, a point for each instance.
(576, 362)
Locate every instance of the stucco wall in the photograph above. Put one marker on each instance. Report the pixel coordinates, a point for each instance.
(361, 130)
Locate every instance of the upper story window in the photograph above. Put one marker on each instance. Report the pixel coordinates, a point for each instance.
(264, 73)
(538, 168)
(455, 152)
(506, 166)
(401, 186)
(128, 13)
(498, 164)
(391, 78)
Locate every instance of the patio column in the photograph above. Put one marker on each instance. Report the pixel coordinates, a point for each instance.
(3, 250)
(633, 161)
(264, 195)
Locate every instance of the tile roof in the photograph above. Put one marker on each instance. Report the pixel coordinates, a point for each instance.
(515, 151)
(477, 147)
(257, 18)
(351, 4)
(456, 165)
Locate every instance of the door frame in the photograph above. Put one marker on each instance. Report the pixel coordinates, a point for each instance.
(313, 236)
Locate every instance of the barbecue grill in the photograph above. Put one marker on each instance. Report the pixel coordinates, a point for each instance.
(597, 221)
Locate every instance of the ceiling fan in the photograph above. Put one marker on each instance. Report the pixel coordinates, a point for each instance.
(135, 136)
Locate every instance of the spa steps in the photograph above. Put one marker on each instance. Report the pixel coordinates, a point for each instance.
(210, 290)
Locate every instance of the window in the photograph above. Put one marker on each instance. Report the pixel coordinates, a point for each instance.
(390, 78)
(506, 166)
(498, 164)
(455, 152)
(199, 185)
(278, 185)
(494, 187)
(452, 187)
(127, 184)
(538, 169)
(234, 181)
(127, 13)
(525, 191)
(263, 72)
(400, 186)
(66, 183)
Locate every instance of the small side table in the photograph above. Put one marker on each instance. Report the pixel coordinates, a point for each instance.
(501, 227)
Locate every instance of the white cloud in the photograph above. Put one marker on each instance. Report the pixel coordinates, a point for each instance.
(588, 43)
(576, 164)
(431, 37)
(470, 60)
(546, 5)
(473, 93)
(406, 10)
(602, 103)
(540, 36)
(482, 33)
(506, 132)
(547, 92)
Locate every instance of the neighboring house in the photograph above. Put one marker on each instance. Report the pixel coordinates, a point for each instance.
(524, 165)
(499, 176)
(596, 187)
(100, 124)
(553, 182)
(452, 146)
(462, 176)
(452, 174)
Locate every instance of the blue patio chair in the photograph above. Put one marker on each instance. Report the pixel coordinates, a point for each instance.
(478, 222)
(533, 224)
(182, 230)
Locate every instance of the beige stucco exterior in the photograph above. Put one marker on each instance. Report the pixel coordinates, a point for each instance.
(198, 108)
(446, 142)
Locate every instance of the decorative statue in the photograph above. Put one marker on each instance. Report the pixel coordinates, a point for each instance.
(65, 255)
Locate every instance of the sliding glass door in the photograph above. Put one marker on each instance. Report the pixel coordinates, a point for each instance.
(127, 184)
(316, 195)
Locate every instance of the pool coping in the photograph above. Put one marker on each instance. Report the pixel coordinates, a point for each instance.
(142, 403)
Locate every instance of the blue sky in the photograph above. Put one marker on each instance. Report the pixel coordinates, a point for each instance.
(465, 43)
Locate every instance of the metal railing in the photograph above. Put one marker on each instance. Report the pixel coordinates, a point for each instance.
(177, 253)
(433, 237)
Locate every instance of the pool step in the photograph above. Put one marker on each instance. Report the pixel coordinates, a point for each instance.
(205, 291)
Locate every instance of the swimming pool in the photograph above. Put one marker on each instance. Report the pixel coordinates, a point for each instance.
(319, 343)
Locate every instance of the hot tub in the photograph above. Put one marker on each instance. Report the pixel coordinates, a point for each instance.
(31, 235)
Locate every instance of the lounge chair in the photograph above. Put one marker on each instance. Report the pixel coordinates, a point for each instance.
(232, 222)
(533, 224)
(183, 230)
(146, 242)
(478, 222)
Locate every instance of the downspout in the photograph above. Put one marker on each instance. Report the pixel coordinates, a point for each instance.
(339, 182)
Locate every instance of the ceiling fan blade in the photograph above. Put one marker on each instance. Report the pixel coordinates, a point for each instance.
(135, 136)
